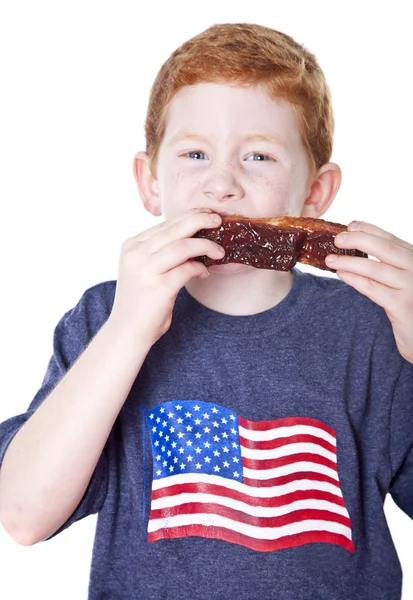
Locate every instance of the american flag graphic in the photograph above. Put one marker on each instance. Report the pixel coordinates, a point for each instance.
(266, 485)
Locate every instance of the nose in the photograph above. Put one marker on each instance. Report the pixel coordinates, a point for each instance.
(223, 183)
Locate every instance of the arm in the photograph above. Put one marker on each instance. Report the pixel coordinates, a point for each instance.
(50, 461)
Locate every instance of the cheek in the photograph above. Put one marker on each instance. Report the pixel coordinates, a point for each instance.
(177, 193)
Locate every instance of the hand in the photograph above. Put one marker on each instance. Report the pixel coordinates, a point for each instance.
(154, 266)
(388, 281)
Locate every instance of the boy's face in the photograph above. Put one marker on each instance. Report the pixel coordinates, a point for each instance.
(231, 149)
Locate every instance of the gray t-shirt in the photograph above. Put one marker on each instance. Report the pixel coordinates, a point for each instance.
(253, 454)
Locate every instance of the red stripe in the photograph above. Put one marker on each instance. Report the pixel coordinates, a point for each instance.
(193, 508)
(217, 490)
(288, 422)
(293, 439)
(284, 479)
(273, 463)
(234, 537)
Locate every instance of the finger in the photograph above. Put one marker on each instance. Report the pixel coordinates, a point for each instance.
(374, 230)
(151, 231)
(377, 271)
(185, 228)
(377, 292)
(383, 248)
(179, 277)
(180, 251)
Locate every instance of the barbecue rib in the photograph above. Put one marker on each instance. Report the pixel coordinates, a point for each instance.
(275, 242)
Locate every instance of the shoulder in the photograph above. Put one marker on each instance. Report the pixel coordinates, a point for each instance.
(332, 299)
(92, 309)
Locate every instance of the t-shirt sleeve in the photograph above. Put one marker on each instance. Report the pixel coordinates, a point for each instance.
(401, 441)
(71, 337)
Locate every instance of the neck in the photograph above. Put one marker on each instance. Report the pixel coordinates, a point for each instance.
(238, 290)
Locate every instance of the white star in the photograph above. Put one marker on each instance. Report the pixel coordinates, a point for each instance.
(164, 463)
(175, 459)
(214, 409)
(158, 420)
(198, 465)
(232, 417)
(189, 442)
(170, 415)
(225, 449)
(158, 472)
(163, 448)
(182, 465)
(180, 434)
(160, 433)
(235, 459)
(188, 428)
(198, 435)
(154, 429)
(226, 464)
(164, 423)
(196, 407)
(224, 434)
(169, 453)
(207, 459)
(162, 410)
(234, 445)
(189, 458)
(207, 444)
(215, 424)
(173, 444)
(207, 429)
(179, 420)
(181, 450)
(216, 468)
(172, 429)
(188, 414)
(178, 407)
(236, 474)
(216, 438)
(156, 443)
(233, 430)
(206, 416)
(198, 450)
(158, 457)
(216, 453)
(151, 416)
(197, 421)
(167, 438)
(171, 468)
(223, 420)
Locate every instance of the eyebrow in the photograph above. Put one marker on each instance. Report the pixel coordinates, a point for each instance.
(253, 137)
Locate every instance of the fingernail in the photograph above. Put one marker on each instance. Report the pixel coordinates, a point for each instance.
(341, 237)
(353, 226)
(331, 258)
(205, 210)
(216, 218)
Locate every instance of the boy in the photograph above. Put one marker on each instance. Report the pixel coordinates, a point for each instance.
(237, 430)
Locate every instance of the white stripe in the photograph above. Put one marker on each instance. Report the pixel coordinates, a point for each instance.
(257, 492)
(262, 533)
(297, 467)
(288, 450)
(254, 511)
(286, 432)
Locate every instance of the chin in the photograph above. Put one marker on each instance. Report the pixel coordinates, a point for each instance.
(229, 269)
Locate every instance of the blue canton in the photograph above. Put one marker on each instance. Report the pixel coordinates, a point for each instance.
(195, 437)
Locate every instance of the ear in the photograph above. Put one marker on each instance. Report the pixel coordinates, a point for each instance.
(323, 191)
(147, 184)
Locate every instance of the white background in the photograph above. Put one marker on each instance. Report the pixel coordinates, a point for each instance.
(75, 79)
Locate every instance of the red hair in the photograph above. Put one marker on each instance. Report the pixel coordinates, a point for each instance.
(248, 54)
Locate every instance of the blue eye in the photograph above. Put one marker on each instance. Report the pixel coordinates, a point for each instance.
(196, 155)
(260, 157)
